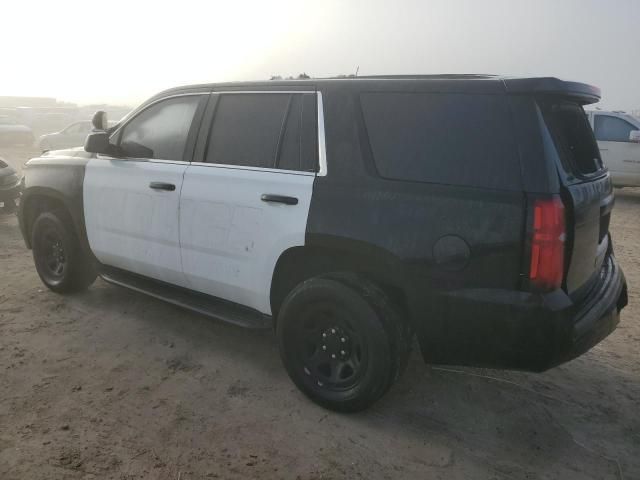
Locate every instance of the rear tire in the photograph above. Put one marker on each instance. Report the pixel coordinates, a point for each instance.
(342, 341)
(60, 261)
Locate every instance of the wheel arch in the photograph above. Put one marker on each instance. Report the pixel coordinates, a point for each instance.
(333, 254)
(37, 200)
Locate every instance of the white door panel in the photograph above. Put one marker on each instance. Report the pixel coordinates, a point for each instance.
(129, 225)
(623, 161)
(230, 238)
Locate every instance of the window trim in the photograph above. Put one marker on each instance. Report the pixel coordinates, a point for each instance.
(322, 149)
(595, 120)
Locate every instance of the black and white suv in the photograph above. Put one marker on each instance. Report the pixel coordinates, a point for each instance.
(350, 214)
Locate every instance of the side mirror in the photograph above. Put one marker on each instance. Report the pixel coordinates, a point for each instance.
(99, 120)
(634, 136)
(98, 142)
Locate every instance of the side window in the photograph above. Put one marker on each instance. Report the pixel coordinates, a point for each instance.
(452, 139)
(573, 137)
(160, 131)
(266, 130)
(612, 129)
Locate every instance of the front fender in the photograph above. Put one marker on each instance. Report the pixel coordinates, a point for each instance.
(53, 183)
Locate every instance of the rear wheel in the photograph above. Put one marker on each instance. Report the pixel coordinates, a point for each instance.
(59, 259)
(342, 341)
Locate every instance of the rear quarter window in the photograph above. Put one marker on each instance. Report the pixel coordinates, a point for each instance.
(572, 136)
(454, 139)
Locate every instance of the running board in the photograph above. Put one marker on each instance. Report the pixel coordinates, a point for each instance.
(194, 301)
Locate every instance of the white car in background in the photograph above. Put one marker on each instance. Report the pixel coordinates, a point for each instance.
(618, 136)
(71, 136)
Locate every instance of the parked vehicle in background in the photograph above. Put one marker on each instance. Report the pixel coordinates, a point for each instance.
(349, 215)
(73, 135)
(12, 133)
(48, 122)
(10, 186)
(618, 136)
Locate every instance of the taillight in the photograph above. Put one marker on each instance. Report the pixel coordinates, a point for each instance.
(547, 244)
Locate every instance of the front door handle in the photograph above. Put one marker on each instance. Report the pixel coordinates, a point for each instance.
(269, 197)
(162, 186)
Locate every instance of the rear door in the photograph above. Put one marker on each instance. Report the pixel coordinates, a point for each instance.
(131, 202)
(246, 198)
(620, 155)
(586, 189)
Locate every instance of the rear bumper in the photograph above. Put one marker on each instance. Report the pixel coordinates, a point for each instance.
(598, 315)
(524, 331)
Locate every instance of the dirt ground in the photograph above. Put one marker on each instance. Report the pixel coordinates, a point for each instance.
(112, 384)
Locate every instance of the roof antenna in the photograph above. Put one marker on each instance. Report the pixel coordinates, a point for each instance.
(357, 70)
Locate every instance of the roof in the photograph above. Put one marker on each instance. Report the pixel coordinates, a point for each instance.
(472, 83)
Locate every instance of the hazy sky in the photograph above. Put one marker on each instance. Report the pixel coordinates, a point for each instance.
(124, 51)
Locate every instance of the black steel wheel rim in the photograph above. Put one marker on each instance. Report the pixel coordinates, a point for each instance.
(331, 351)
(52, 254)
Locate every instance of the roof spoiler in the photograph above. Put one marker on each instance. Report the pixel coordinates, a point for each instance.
(582, 92)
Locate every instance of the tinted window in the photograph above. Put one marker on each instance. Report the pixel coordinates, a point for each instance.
(161, 130)
(442, 138)
(263, 130)
(572, 135)
(612, 129)
(289, 155)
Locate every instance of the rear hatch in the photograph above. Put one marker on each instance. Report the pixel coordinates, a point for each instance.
(586, 190)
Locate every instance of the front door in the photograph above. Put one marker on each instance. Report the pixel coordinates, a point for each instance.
(132, 202)
(247, 199)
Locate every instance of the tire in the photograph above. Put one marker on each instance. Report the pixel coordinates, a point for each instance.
(342, 341)
(60, 262)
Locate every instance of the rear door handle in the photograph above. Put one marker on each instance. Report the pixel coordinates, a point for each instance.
(269, 197)
(162, 186)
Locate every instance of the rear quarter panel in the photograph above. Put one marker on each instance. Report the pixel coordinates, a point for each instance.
(438, 241)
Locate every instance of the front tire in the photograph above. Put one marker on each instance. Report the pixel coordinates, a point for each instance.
(342, 341)
(60, 262)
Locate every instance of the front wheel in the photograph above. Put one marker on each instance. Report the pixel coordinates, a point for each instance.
(342, 341)
(61, 264)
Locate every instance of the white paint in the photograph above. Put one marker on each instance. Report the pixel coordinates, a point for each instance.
(129, 225)
(231, 239)
(621, 158)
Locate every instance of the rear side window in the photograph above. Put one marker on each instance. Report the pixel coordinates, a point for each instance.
(612, 129)
(454, 139)
(265, 130)
(572, 135)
